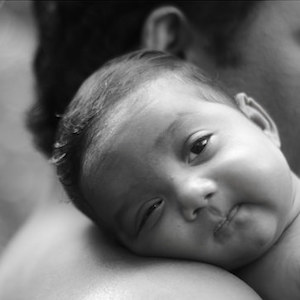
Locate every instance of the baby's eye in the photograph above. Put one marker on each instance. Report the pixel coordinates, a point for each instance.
(149, 211)
(198, 147)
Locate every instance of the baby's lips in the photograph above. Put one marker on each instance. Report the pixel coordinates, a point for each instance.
(231, 214)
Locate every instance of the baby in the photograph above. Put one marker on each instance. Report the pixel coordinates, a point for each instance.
(162, 158)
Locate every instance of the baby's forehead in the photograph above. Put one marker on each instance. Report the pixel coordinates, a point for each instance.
(158, 98)
(190, 85)
(158, 94)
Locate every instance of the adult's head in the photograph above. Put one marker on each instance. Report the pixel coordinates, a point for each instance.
(252, 46)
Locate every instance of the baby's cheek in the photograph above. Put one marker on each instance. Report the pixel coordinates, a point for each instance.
(162, 239)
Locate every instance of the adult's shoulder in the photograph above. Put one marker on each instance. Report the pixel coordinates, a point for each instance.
(60, 255)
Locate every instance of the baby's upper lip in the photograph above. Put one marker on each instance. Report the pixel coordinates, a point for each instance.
(228, 217)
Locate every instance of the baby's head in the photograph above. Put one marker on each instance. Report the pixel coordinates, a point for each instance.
(160, 156)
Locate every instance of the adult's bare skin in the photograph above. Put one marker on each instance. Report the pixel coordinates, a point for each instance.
(59, 255)
(68, 260)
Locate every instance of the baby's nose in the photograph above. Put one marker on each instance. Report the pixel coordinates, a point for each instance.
(195, 195)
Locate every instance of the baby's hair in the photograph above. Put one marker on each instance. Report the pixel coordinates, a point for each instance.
(86, 127)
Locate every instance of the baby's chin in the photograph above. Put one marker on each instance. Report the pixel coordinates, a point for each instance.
(240, 260)
(248, 251)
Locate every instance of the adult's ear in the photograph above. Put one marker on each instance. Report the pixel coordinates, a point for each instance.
(167, 29)
(258, 115)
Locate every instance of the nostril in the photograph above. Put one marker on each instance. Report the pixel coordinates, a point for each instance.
(208, 196)
(196, 212)
(193, 215)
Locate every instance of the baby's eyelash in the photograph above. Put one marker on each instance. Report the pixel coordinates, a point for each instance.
(148, 212)
(198, 147)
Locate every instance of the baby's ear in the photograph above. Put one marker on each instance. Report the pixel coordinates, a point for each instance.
(257, 114)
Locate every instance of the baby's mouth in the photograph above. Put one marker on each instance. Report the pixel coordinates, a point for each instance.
(227, 219)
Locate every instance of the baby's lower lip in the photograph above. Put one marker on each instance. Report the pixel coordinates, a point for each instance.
(227, 220)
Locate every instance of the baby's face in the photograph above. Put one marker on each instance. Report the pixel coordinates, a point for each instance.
(192, 179)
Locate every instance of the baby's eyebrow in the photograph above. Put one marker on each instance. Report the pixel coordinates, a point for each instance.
(173, 126)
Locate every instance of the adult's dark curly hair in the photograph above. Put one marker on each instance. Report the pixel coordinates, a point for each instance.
(76, 37)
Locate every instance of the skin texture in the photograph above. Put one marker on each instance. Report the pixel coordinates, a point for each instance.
(74, 260)
(257, 78)
(201, 188)
(269, 69)
(281, 266)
